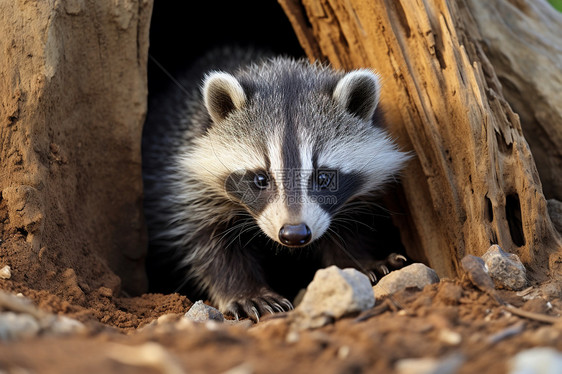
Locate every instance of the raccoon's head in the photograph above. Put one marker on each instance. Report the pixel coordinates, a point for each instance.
(293, 142)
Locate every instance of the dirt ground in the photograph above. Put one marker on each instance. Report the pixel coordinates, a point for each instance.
(451, 321)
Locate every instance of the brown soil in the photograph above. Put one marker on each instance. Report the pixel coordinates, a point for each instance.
(451, 320)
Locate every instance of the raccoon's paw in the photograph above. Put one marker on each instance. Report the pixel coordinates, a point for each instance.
(256, 305)
(393, 261)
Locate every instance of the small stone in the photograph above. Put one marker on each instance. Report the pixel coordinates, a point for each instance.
(17, 326)
(343, 352)
(332, 294)
(62, 325)
(536, 360)
(450, 337)
(506, 269)
(201, 312)
(416, 365)
(6, 272)
(292, 337)
(414, 275)
(243, 368)
(448, 364)
(476, 271)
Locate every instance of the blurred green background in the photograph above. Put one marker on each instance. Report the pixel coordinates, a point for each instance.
(557, 4)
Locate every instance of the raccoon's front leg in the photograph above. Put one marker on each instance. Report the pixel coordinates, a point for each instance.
(235, 282)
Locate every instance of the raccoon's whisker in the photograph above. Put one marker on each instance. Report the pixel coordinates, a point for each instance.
(244, 230)
(346, 252)
(233, 237)
(257, 233)
(348, 220)
(184, 282)
(168, 74)
(239, 235)
(368, 207)
(223, 234)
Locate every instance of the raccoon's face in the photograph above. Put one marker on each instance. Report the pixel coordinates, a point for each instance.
(293, 143)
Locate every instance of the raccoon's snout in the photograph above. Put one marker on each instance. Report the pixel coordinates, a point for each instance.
(295, 235)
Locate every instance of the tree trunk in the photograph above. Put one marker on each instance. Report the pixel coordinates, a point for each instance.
(523, 40)
(72, 104)
(474, 181)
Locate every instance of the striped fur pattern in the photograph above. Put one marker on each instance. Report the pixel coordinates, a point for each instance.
(251, 147)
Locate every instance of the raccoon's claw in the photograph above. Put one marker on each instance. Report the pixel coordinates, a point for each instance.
(257, 306)
(384, 269)
(396, 260)
(393, 261)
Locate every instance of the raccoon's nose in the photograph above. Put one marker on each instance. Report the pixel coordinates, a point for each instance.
(295, 235)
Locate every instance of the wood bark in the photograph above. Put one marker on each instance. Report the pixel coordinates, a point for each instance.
(474, 181)
(72, 104)
(522, 40)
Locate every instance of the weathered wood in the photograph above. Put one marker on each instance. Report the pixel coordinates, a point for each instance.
(72, 104)
(523, 41)
(474, 181)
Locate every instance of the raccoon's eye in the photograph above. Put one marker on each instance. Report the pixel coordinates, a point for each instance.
(323, 180)
(261, 180)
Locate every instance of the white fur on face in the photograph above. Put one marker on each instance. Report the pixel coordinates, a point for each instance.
(277, 214)
(375, 157)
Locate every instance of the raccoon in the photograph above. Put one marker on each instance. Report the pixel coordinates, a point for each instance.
(258, 165)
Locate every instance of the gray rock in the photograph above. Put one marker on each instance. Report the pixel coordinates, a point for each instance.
(506, 269)
(541, 360)
(332, 294)
(63, 325)
(201, 312)
(477, 272)
(17, 326)
(415, 275)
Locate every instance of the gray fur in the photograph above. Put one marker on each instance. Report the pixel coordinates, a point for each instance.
(278, 116)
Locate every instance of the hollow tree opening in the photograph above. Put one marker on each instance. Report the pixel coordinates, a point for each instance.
(259, 24)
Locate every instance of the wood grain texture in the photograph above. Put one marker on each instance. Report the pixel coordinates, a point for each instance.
(474, 182)
(73, 90)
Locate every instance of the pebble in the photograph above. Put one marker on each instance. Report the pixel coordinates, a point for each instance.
(201, 312)
(343, 352)
(332, 294)
(14, 326)
(542, 360)
(450, 337)
(6, 272)
(414, 275)
(62, 325)
(150, 355)
(243, 368)
(21, 319)
(506, 269)
(429, 365)
(476, 271)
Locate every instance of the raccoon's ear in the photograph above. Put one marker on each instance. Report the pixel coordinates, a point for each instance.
(359, 92)
(222, 94)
